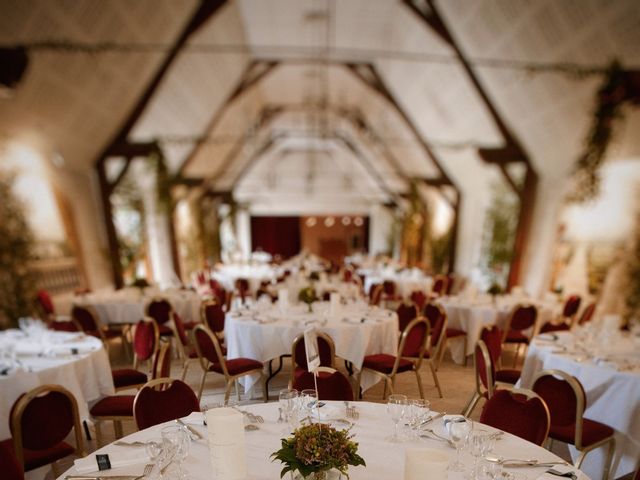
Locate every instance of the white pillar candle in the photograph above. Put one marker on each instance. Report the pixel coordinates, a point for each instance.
(425, 464)
(227, 443)
(334, 305)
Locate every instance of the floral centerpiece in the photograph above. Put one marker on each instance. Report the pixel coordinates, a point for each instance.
(494, 289)
(316, 449)
(307, 295)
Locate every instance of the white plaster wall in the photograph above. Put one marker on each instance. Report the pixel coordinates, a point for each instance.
(380, 226)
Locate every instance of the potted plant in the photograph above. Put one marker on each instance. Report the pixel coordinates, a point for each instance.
(318, 452)
(308, 296)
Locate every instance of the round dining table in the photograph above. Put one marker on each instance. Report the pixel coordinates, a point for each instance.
(407, 281)
(471, 315)
(127, 306)
(266, 331)
(607, 363)
(384, 460)
(39, 356)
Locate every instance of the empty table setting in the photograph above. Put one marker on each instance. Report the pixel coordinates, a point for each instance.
(34, 356)
(423, 451)
(607, 363)
(265, 331)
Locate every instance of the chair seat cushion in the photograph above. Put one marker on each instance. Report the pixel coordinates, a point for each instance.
(37, 458)
(165, 330)
(114, 406)
(455, 332)
(125, 377)
(190, 325)
(237, 366)
(516, 336)
(382, 362)
(507, 375)
(550, 327)
(592, 432)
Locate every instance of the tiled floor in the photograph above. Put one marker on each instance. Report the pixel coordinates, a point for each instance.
(457, 383)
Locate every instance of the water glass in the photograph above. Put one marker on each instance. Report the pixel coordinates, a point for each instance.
(308, 400)
(175, 440)
(397, 409)
(419, 409)
(458, 429)
(288, 400)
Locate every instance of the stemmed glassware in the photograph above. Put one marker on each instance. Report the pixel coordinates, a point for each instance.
(396, 408)
(458, 429)
(308, 400)
(419, 409)
(175, 440)
(481, 443)
(288, 400)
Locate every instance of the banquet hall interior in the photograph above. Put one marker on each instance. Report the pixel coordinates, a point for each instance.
(436, 201)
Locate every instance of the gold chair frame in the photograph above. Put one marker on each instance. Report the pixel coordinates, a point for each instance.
(581, 403)
(136, 360)
(534, 330)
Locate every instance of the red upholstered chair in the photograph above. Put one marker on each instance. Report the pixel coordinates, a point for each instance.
(419, 299)
(327, 351)
(212, 360)
(438, 320)
(242, 288)
(119, 408)
(587, 314)
(492, 337)
(146, 342)
(47, 313)
(451, 280)
(567, 402)
(375, 294)
(568, 318)
(90, 324)
(439, 286)
(414, 345)
(9, 466)
(519, 412)
(390, 292)
(406, 313)
(161, 310)
(331, 384)
(188, 352)
(520, 328)
(163, 399)
(40, 420)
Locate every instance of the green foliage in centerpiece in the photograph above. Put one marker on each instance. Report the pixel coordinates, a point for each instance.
(307, 295)
(140, 283)
(318, 448)
(495, 289)
(314, 276)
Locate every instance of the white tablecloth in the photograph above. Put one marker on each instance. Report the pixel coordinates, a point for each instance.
(48, 359)
(613, 396)
(127, 306)
(407, 281)
(268, 333)
(384, 460)
(227, 275)
(472, 315)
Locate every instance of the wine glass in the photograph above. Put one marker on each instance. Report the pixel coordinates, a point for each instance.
(176, 441)
(287, 399)
(396, 408)
(458, 428)
(419, 410)
(308, 400)
(480, 444)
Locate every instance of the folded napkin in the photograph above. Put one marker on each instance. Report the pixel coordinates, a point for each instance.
(327, 412)
(549, 337)
(63, 350)
(118, 457)
(194, 418)
(27, 349)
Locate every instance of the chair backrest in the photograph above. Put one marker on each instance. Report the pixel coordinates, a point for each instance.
(180, 332)
(492, 337)
(451, 280)
(565, 398)
(414, 340)
(485, 369)
(208, 348)
(406, 313)
(419, 298)
(331, 384)
(87, 319)
(162, 362)
(571, 306)
(146, 341)
(43, 299)
(522, 317)
(439, 286)
(9, 465)
(389, 287)
(438, 322)
(160, 310)
(242, 287)
(519, 412)
(375, 293)
(587, 314)
(326, 347)
(161, 400)
(42, 418)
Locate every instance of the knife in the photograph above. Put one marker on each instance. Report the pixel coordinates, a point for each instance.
(193, 431)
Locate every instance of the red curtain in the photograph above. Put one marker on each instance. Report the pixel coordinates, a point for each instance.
(276, 235)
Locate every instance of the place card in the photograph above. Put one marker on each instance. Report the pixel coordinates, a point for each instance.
(227, 443)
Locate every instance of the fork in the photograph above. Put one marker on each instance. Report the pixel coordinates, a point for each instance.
(437, 437)
(351, 411)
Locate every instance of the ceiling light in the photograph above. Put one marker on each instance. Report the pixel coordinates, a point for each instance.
(57, 159)
(358, 221)
(329, 222)
(311, 222)
(346, 221)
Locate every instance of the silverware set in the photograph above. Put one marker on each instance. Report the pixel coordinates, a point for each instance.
(147, 470)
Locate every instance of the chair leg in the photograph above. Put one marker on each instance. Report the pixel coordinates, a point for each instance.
(419, 384)
(237, 389)
(227, 391)
(435, 378)
(117, 428)
(185, 367)
(391, 389)
(384, 392)
(359, 390)
(445, 344)
(471, 405)
(204, 376)
(606, 475)
(516, 355)
(264, 388)
(55, 469)
(98, 425)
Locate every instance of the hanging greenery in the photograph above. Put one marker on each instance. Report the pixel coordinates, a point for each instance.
(17, 283)
(586, 179)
